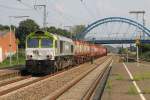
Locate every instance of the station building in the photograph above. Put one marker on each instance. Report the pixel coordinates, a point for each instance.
(7, 44)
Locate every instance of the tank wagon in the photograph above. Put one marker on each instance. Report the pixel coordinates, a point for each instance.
(47, 52)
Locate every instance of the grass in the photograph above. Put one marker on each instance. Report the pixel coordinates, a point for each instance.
(140, 77)
(147, 91)
(132, 90)
(146, 56)
(21, 60)
(109, 85)
(119, 77)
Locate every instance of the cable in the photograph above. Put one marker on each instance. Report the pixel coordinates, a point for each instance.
(85, 7)
(127, 31)
(29, 6)
(12, 8)
(63, 15)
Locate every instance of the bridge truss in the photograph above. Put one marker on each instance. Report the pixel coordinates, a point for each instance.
(127, 31)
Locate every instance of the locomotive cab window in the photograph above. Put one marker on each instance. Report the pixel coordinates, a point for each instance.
(61, 46)
(72, 48)
(32, 43)
(56, 43)
(46, 43)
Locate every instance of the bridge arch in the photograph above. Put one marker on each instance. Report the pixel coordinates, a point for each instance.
(113, 19)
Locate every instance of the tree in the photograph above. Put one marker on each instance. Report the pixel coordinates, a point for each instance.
(58, 31)
(52, 29)
(145, 47)
(77, 29)
(4, 27)
(25, 28)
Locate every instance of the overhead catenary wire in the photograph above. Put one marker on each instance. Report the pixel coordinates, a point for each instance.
(31, 7)
(13, 8)
(68, 17)
(90, 13)
(35, 2)
(27, 5)
(127, 32)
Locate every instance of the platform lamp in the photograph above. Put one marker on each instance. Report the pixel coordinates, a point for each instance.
(137, 13)
(10, 41)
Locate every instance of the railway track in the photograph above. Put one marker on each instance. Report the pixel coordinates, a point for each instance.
(21, 82)
(10, 72)
(84, 86)
(15, 67)
(5, 90)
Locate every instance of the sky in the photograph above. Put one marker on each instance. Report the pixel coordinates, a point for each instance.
(63, 13)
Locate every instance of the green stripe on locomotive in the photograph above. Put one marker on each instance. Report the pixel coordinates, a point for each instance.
(41, 36)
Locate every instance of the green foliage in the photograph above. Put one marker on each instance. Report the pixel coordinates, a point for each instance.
(145, 52)
(58, 31)
(122, 51)
(21, 59)
(109, 85)
(77, 29)
(132, 90)
(25, 27)
(141, 77)
(146, 91)
(119, 77)
(146, 56)
(4, 27)
(145, 47)
(51, 29)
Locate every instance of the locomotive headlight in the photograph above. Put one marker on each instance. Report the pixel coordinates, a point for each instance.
(49, 56)
(29, 56)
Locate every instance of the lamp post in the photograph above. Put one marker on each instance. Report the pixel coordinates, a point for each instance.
(137, 13)
(138, 37)
(10, 40)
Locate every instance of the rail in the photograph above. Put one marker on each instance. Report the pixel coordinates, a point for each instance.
(101, 83)
(69, 85)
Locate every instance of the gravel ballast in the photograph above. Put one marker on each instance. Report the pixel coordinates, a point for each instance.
(43, 88)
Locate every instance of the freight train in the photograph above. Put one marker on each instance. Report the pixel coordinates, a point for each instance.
(47, 52)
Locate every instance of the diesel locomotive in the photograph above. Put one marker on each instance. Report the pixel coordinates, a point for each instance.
(47, 52)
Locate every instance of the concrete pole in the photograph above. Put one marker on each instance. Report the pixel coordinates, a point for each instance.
(44, 15)
(127, 55)
(10, 40)
(137, 52)
(17, 47)
(10, 44)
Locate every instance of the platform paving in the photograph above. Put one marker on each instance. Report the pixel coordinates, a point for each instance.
(121, 87)
(141, 74)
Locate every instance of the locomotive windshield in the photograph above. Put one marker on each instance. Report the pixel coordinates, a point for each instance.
(46, 43)
(32, 43)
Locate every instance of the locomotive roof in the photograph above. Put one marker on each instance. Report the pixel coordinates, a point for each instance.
(58, 37)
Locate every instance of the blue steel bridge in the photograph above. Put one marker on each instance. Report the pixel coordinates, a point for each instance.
(115, 30)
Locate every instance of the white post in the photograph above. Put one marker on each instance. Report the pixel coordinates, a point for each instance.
(17, 55)
(127, 55)
(1, 55)
(17, 46)
(10, 44)
(137, 53)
